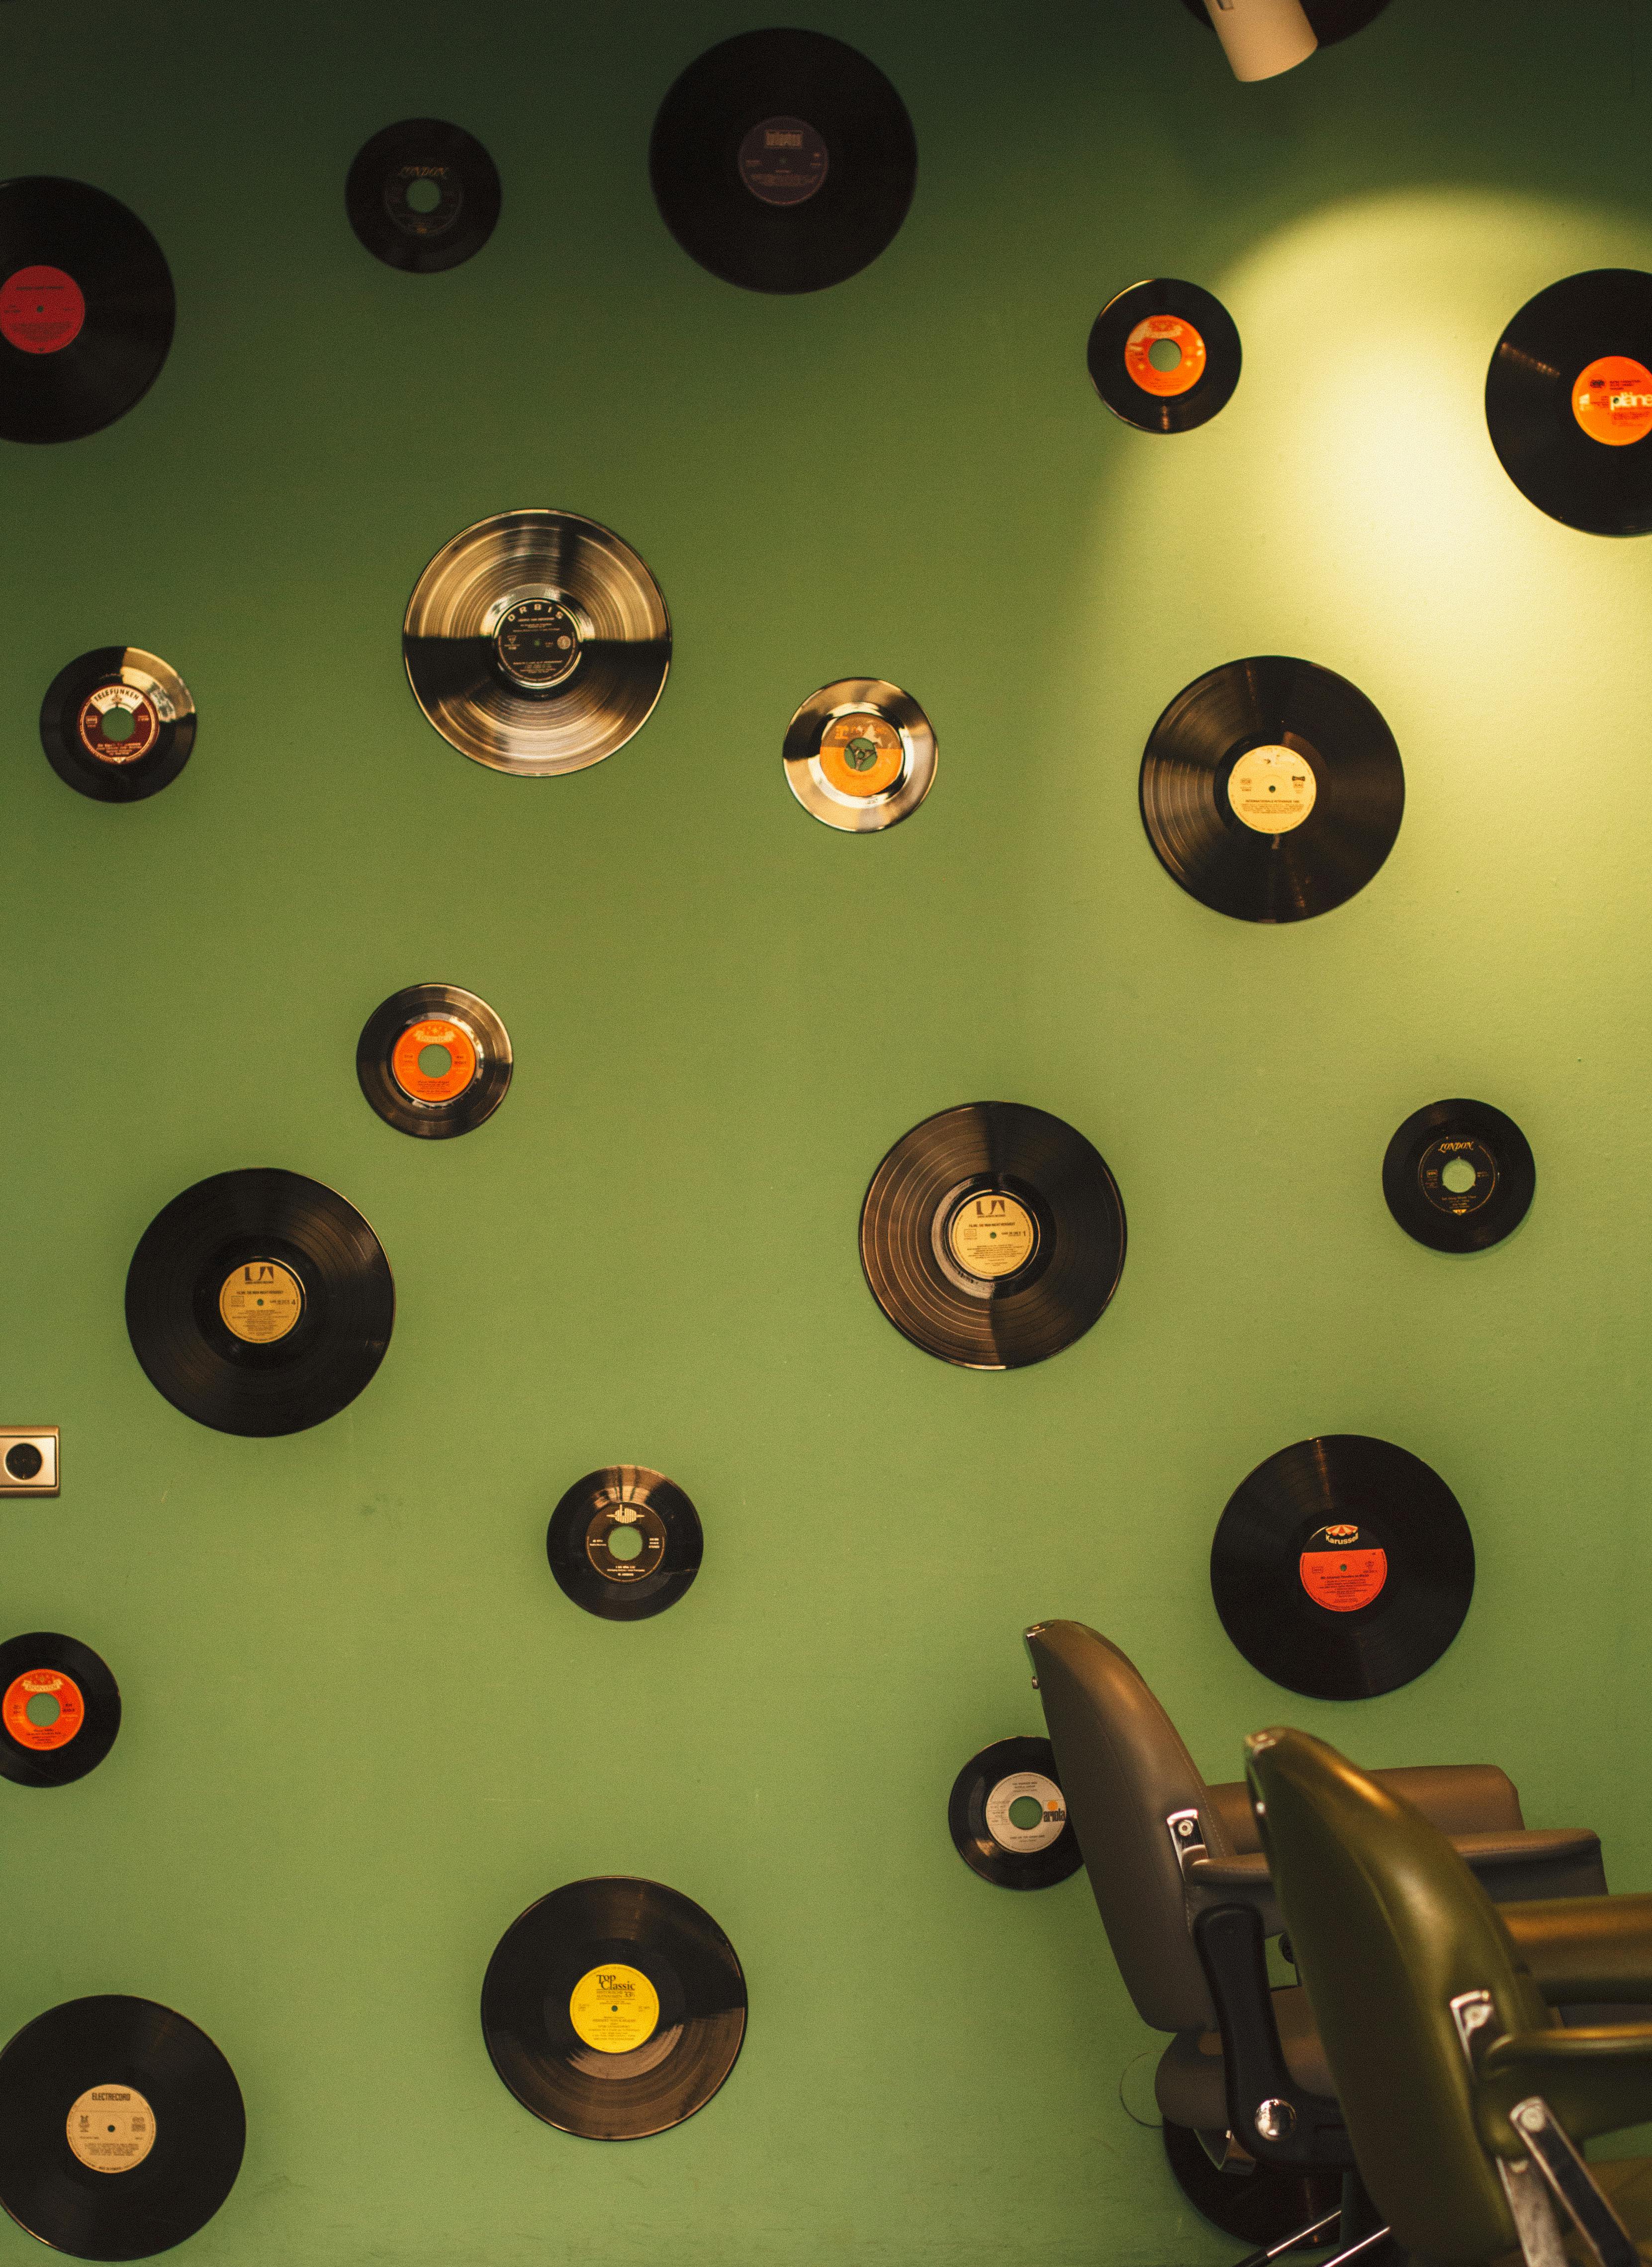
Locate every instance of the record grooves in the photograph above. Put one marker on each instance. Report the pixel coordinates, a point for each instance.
(60, 1709)
(624, 1542)
(1011, 1775)
(1568, 401)
(86, 309)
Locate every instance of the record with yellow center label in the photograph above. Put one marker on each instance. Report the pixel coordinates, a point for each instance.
(1568, 401)
(624, 1542)
(1164, 355)
(60, 1709)
(860, 755)
(613, 2008)
(434, 1060)
(117, 723)
(259, 1303)
(1008, 1817)
(1459, 1175)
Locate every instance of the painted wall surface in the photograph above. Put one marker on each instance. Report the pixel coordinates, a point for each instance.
(363, 1728)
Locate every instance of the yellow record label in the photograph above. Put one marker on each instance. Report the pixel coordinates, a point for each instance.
(991, 1236)
(1272, 789)
(110, 2127)
(861, 755)
(260, 1302)
(614, 2009)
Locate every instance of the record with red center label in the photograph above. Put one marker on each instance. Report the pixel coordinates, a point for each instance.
(60, 1709)
(118, 723)
(422, 195)
(1008, 1817)
(1164, 355)
(434, 1060)
(860, 755)
(1342, 1567)
(613, 2008)
(624, 1542)
(1568, 401)
(86, 309)
(1459, 1175)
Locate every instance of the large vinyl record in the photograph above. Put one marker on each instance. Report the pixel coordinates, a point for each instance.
(783, 161)
(422, 195)
(624, 1542)
(1164, 355)
(992, 1235)
(1272, 789)
(1030, 1850)
(1568, 401)
(60, 1709)
(118, 723)
(259, 1303)
(1342, 1567)
(536, 642)
(1459, 1175)
(434, 1062)
(613, 2008)
(86, 309)
(121, 2128)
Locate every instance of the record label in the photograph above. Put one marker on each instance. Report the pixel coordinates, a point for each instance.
(1342, 1569)
(260, 1302)
(538, 643)
(992, 1236)
(626, 1541)
(34, 1687)
(614, 2009)
(436, 1035)
(783, 161)
(1014, 1791)
(1612, 400)
(1272, 789)
(111, 2129)
(118, 724)
(1181, 359)
(860, 754)
(41, 310)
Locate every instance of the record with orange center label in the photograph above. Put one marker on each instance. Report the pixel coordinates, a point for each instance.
(1342, 1567)
(422, 195)
(1568, 401)
(1459, 1175)
(60, 1709)
(860, 755)
(1164, 355)
(86, 309)
(624, 1542)
(117, 723)
(1008, 1817)
(434, 1060)
(613, 2008)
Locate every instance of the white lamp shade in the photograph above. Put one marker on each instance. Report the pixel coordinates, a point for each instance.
(1262, 37)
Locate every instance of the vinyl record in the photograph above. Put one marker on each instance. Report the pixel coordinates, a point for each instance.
(259, 1303)
(537, 641)
(1164, 355)
(992, 1235)
(434, 1062)
(118, 723)
(613, 2008)
(1272, 789)
(783, 161)
(1568, 401)
(624, 1542)
(86, 309)
(422, 195)
(1342, 1567)
(121, 2128)
(1012, 1776)
(60, 1709)
(1459, 1175)
(860, 755)
(1332, 20)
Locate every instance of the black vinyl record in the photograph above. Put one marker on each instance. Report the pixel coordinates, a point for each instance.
(783, 161)
(1332, 20)
(422, 195)
(624, 1542)
(1568, 401)
(1272, 789)
(992, 1235)
(1459, 1175)
(1164, 322)
(1342, 1567)
(118, 723)
(44, 1675)
(613, 2008)
(434, 1062)
(121, 2128)
(86, 309)
(1008, 1776)
(259, 1303)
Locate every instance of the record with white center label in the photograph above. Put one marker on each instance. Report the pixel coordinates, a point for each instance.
(1008, 1817)
(117, 723)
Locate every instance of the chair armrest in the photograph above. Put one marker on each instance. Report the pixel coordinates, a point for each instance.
(1582, 1949)
(1458, 1798)
(1210, 1882)
(1540, 1861)
(1595, 2081)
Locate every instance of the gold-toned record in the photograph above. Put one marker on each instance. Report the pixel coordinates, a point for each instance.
(536, 642)
(860, 755)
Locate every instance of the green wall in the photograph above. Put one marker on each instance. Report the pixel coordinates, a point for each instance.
(364, 1727)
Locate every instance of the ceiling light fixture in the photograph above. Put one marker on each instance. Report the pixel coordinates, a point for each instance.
(1262, 37)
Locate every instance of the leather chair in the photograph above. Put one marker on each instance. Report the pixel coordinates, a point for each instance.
(1178, 1873)
(1466, 2103)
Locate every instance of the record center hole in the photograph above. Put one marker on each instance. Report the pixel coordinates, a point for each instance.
(435, 1062)
(42, 1709)
(118, 725)
(423, 196)
(1164, 354)
(1459, 1176)
(1026, 1812)
(625, 1543)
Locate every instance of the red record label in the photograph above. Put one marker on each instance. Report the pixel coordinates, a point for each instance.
(41, 310)
(14, 1708)
(1341, 1570)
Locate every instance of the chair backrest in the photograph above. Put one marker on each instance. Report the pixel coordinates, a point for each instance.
(1388, 1927)
(1124, 1770)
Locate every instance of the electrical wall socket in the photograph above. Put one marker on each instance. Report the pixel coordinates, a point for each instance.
(28, 1460)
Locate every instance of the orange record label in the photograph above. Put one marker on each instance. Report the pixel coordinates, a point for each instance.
(14, 1709)
(1612, 400)
(1183, 374)
(260, 1302)
(1340, 1570)
(41, 310)
(861, 755)
(439, 1085)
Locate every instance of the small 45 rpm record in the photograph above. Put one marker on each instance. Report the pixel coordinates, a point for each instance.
(1164, 355)
(783, 161)
(624, 1542)
(1013, 1775)
(121, 2128)
(118, 723)
(422, 195)
(613, 2008)
(434, 1062)
(1342, 1567)
(537, 641)
(1272, 789)
(1330, 19)
(60, 1709)
(992, 1235)
(1459, 1175)
(860, 755)
(86, 309)
(259, 1303)
(1568, 401)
